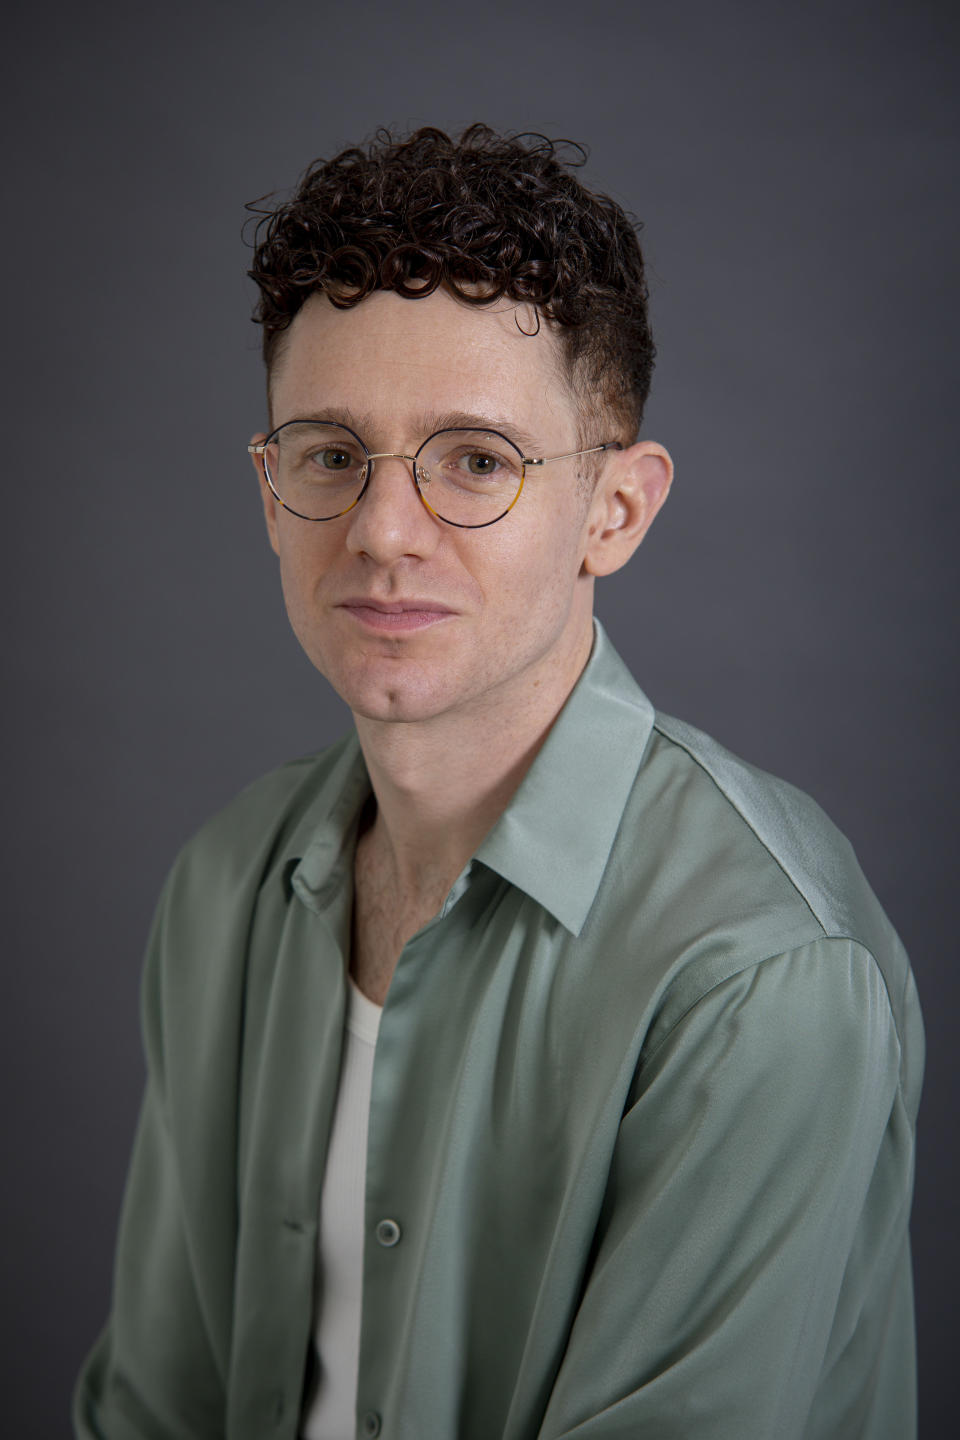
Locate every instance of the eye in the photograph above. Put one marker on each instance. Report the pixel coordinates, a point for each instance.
(479, 462)
(333, 458)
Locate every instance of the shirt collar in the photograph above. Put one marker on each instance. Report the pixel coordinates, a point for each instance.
(554, 838)
(322, 843)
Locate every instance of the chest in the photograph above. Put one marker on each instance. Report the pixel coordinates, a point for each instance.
(385, 916)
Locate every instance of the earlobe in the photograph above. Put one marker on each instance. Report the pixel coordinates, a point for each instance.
(266, 494)
(629, 496)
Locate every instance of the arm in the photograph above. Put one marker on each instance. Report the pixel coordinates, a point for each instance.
(152, 1374)
(158, 1370)
(751, 1274)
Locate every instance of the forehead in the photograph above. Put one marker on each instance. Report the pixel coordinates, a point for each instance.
(403, 361)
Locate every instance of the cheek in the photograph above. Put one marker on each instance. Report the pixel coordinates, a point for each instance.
(304, 552)
(303, 564)
(534, 581)
(292, 576)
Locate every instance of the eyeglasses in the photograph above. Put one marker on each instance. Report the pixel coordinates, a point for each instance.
(468, 478)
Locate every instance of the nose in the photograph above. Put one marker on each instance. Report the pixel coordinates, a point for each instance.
(391, 521)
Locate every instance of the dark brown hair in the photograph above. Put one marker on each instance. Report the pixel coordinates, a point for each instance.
(486, 216)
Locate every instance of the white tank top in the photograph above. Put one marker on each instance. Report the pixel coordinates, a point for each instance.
(329, 1415)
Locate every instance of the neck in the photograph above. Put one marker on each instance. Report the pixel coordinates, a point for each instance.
(441, 785)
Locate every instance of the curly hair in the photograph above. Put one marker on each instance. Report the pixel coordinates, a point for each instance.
(486, 216)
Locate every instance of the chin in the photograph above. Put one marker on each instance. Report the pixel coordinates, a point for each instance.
(398, 705)
(402, 699)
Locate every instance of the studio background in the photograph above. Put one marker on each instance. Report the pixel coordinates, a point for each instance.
(795, 168)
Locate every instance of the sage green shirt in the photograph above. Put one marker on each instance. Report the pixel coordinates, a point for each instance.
(642, 1119)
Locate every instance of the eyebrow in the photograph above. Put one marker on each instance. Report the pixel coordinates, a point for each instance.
(427, 423)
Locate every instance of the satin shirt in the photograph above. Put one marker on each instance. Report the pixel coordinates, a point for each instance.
(641, 1132)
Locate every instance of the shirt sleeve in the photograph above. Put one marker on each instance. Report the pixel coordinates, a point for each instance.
(154, 1374)
(750, 1275)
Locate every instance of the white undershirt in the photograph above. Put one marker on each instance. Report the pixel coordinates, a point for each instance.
(336, 1316)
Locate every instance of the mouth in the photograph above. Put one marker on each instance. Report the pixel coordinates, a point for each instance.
(395, 615)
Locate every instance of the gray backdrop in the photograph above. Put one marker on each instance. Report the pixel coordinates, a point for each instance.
(793, 165)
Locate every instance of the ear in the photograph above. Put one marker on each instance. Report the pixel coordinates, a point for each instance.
(266, 494)
(632, 487)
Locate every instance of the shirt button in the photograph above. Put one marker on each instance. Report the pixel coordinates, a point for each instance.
(371, 1423)
(388, 1233)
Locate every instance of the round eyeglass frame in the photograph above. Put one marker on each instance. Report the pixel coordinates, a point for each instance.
(261, 452)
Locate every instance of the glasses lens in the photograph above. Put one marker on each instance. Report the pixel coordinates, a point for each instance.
(469, 477)
(317, 470)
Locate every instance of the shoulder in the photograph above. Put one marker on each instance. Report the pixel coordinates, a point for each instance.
(267, 822)
(732, 870)
(789, 828)
(230, 884)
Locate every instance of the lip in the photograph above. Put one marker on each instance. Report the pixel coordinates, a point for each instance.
(394, 615)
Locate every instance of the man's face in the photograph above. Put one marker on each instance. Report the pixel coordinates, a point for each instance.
(488, 616)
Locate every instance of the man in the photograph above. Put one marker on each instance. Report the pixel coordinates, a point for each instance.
(524, 1065)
